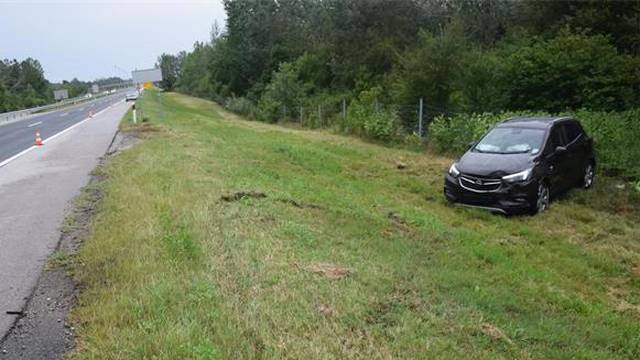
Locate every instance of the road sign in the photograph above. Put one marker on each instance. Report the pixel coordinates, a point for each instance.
(148, 75)
(60, 94)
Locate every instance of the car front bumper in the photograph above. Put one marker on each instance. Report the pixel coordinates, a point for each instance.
(508, 198)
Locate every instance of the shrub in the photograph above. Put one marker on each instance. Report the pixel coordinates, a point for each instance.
(241, 106)
(366, 118)
(616, 137)
(285, 91)
(323, 110)
(454, 133)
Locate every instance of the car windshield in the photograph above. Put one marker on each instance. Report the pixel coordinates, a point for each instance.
(511, 140)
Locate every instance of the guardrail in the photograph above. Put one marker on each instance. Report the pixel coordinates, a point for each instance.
(21, 114)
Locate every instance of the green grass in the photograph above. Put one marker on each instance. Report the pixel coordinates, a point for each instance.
(172, 271)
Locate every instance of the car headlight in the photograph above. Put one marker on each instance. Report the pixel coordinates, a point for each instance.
(520, 176)
(453, 170)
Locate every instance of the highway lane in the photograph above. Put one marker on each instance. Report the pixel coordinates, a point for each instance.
(20, 135)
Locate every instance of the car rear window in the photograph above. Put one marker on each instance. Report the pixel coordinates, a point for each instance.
(573, 131)
(557, 137)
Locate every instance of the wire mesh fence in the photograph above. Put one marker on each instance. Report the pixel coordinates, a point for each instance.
(412, 118)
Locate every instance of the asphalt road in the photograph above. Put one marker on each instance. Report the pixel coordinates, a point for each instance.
(18, 136)
(37, 186)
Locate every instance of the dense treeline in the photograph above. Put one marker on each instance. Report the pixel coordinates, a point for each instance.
(23, 85)
(278, 58)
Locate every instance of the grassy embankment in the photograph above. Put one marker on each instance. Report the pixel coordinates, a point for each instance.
(173, 271)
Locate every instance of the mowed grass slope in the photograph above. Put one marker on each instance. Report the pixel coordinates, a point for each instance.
(173, 271)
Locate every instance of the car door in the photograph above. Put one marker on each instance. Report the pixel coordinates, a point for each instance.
(557, 161)
(576, 150)
(581, 147)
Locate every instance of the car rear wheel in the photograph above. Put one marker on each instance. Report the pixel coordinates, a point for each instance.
(589, 176)
(543, 197)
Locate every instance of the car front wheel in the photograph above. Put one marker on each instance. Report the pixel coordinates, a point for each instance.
(542, 198)
(589, 176)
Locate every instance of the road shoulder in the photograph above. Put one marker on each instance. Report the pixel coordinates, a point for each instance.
(43, 330)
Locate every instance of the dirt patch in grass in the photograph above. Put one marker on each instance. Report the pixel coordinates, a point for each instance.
(618, 296)
(299, 205)
(237, 196)
(124, 140)
(330, 271)
(399, 222)
(43, 330)
(494, 333)
(326, 310)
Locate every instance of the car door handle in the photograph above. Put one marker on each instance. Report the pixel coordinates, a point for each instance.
(551, 168)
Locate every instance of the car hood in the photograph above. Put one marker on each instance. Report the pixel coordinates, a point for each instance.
(493, 165)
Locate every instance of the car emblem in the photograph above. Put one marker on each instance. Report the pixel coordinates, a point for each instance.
(478, 182)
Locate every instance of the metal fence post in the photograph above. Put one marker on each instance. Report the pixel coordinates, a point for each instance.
(301, 115)
(420, 118)
(320, 115)
(344, 109)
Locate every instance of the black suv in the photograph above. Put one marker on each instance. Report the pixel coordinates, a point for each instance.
(521, 163)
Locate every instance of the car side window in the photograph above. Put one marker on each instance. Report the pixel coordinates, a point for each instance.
(556, 138)
(573, 131)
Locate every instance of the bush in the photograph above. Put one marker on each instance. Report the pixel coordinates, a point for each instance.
(454, 133)
(366, 118)
(284, 93)
(615, 135)
(330, 105)
(241, 106)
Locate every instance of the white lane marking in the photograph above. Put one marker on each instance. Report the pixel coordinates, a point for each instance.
(35, 124)
(72, 126)
(16, 156)
(64, 114)
(5, 162)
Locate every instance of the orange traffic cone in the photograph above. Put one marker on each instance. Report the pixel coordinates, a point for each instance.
(38, 139)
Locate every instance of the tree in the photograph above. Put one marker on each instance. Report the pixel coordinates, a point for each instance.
(459, 55)
(3, 98)
(170, 66)
(572, 71)
(430, 70)
(285, 91)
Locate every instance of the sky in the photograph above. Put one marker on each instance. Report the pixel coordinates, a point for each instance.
(96, 39)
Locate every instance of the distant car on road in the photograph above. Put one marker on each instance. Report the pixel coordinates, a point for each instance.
(520, 164)
(131, 96)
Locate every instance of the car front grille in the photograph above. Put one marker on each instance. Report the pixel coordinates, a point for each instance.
(479, 184)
